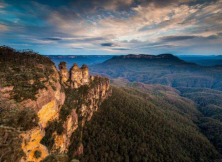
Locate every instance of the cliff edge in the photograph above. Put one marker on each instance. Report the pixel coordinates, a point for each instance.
(46, 108)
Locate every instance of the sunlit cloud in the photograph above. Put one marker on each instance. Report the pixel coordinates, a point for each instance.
(114, 26)
(3, 28)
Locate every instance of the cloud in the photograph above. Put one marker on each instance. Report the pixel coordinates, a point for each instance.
(177, 38)
(2, 5)
(3, 28)
(77, 48)
(135, 25)
(120, 49)
(53, 39)
(107, 44)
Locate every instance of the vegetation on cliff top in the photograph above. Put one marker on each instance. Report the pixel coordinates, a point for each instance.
(23, 70)
(12, 114)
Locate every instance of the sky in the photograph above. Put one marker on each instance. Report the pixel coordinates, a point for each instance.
(112, 27)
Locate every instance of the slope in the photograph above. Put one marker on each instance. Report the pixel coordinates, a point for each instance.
(137, 126)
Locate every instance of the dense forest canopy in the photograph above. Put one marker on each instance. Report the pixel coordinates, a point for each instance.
(131, 127)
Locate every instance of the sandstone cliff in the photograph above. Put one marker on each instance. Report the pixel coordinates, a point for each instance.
(47, 106)
(78, 76)
(61, 103)
(84, 94)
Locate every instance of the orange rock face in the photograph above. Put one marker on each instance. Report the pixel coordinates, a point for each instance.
(79, 76)
(48, 104)
(63, 71)
(47, 107)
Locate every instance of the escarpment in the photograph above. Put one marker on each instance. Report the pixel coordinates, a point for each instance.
(50, 107)
(84, 94)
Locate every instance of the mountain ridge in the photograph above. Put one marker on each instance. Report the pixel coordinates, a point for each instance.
(161, 69)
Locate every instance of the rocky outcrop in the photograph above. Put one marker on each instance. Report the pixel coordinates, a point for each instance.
(49, 105)
(88, 97)
(43, 110)
(77, 76)
(62, 141)
(63, 71)
(95, 97)
(57, 105)
(85, 74)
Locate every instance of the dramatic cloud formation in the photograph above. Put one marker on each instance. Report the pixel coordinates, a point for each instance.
(113, 26)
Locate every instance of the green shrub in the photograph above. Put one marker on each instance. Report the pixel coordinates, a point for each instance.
(37, 154)
(49, 139)
(40, 75)
(53, 87)
(11, 115)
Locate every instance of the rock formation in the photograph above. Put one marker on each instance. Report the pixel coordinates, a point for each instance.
(78, 76)
(68, 100)
(85, 74)
(42, 110)
(49, 105)
(63, 71)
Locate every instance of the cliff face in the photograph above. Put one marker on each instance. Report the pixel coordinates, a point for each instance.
(65, 101)
(47, 107)
(55, 130)
(84, 94)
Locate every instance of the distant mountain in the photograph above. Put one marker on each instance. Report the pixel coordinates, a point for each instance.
(79, 59)
(144, 58)
(203, 60)
(95, 59)
(165, 69)
(219, 56)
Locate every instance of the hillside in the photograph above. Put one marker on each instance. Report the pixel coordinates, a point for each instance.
(207, 102)
(138, 126)
(163, 69)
